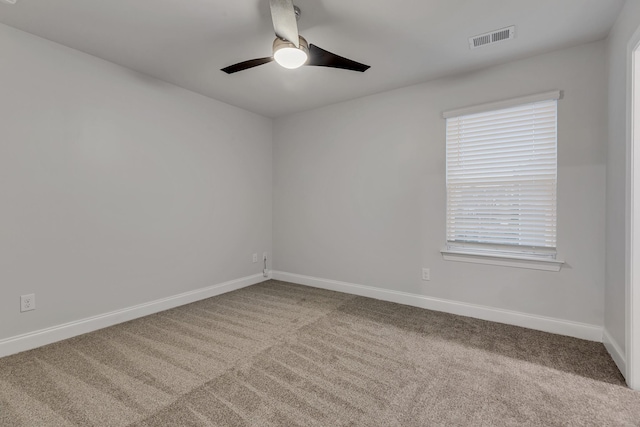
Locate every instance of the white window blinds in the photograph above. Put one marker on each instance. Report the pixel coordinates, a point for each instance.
(501, 179)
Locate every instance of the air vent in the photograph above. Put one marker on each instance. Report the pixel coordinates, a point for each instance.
(492, 37)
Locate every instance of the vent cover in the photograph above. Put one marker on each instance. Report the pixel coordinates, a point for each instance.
(492, 37)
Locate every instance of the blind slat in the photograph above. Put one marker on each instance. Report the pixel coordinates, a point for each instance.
(512, 148)
(514, 144)
(524, 135)
(519, 168)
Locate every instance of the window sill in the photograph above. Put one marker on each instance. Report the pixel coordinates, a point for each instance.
(503, 260)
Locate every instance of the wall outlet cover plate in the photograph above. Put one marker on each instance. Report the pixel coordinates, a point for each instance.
(27, 302)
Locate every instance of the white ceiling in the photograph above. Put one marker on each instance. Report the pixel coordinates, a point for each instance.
(186, 42)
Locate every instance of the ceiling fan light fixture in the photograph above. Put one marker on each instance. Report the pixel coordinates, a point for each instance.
(288, 55)
(290, 50)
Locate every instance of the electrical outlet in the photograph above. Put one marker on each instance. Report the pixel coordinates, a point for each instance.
(255, 257)
(426, 274)
(27, 302)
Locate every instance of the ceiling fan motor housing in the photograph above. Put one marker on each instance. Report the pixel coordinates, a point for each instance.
(279, 43)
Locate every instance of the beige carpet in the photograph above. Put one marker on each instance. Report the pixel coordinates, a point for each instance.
(278, 354)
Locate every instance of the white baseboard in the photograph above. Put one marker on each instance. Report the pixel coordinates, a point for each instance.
(615, 351)
(540, 323)
(56, 333)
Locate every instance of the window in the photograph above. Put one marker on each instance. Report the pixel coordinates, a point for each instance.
(502, 178)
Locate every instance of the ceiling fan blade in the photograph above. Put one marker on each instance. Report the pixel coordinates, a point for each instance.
(284, 19)
(323, 58)
(246, 65)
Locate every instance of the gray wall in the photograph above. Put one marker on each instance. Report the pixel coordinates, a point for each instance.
(359, 189)
(627, 24)
(118, 189)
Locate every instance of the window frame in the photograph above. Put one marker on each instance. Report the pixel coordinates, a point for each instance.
(513, 256)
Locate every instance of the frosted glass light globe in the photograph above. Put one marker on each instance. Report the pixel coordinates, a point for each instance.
(290, 57)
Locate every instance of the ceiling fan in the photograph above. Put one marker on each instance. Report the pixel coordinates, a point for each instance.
(290, 49)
